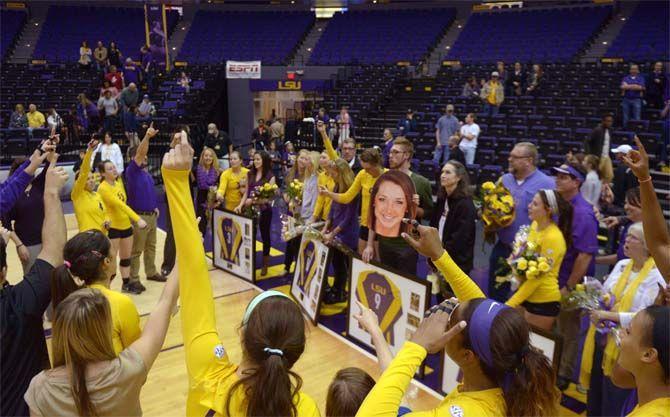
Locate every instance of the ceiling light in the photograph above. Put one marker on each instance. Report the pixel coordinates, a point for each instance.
(447, 47)
(309, 49)
(604, 42)
(174, 48)
(460, 26)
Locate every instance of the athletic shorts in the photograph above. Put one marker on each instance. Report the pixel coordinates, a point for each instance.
(550, 309)
(120, 234)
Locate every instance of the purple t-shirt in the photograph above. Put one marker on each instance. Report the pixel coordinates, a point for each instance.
(637, 80)
(11, 189)
(140, 188)
(523, 194)
(386, 152)
(346, 217)
(130, 74)
(584, 238)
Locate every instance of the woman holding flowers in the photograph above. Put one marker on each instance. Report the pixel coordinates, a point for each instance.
(261, 183)
(546, 244)
(232, 183)
(632, 286)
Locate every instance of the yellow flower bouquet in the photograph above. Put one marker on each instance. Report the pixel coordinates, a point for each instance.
(294, 190)
(497, 208)
(266, 191)
(525, 262)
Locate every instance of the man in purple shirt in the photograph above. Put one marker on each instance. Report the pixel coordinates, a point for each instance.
(579, 261)
(11, 189)
(143, 199)
(147, 67)
(632, 90)
(523, 181)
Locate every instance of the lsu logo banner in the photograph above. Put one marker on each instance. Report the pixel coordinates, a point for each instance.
(378, 293)
(230, 236)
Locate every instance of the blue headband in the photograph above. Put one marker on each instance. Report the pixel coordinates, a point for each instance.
(257, 300)
(479, 328)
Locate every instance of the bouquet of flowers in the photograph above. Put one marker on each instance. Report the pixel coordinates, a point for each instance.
(497, 208)
(292, 227)
(266, 191)
(294, 190)
(525, 262)
(590, 295)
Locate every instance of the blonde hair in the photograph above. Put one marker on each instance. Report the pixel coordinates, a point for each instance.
(82, 334)
(312, 168)
(215, 160)
(345, 175)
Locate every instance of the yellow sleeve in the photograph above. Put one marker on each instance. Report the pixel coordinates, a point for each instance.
(348, 196)
(321, 199)
(385, 397)
(201, 341)
(525, 290)
(130, 321)
(330, 151)
(464, 287)
(80, 183)
(223, 182)
(114, 203)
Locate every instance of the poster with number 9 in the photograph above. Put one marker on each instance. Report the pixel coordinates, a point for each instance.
(398, 301)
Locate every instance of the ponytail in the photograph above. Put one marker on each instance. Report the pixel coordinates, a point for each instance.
(565, 216)
(529, 389)
(62, 285)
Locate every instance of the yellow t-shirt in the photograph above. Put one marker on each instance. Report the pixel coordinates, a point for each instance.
(114, 197)
(36, 119)
(363, 184)
(125, 318)
(492, 95)
(229, 187)
(211, 374)
(385, 398)
(659, 407)
(543, 289)
(323, 202)
(88, 206)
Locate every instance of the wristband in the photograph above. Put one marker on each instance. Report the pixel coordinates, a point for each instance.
(644, 180)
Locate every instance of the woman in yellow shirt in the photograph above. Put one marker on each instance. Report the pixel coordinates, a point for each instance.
(371, 162)
(323, 202)
(88, 206)
(503, 375)
(121, 216)
(272, 332)
(88, 263)
(645, 353)
(232, 183)
(540, 296)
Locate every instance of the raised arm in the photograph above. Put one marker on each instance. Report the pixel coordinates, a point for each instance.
(143, 147)
(428, 244)
(12, 188)
(54, 231)
(332, 154)
(197, 306)
(655, 229)
(80, 182)
(349, 195)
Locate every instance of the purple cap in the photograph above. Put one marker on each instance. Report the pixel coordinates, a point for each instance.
(479, 328)
(569, 170)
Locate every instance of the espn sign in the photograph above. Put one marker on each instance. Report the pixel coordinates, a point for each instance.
(248, 69)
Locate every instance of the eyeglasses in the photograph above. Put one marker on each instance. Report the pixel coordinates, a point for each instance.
(519, 156)
(396, 152)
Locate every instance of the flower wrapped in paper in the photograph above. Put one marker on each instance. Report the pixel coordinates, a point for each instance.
(524, 263)
(294, 190)
(292, 227)
(588, 295)
(496, 207)
(266, 191)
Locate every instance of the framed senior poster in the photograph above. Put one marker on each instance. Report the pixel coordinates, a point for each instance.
(547, 343)
(398, 300)
(311, 271)
(234, 243)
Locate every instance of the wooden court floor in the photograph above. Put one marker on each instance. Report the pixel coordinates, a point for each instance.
(165, 391)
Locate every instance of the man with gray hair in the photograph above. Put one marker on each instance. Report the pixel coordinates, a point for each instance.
(219, 141)
(523, 181)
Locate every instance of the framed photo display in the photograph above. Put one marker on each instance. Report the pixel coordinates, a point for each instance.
(398, 300)
(234, 243)
(549, 344)
(311, 271)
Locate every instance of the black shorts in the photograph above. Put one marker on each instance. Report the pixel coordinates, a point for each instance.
(550, 309)
(120, 234)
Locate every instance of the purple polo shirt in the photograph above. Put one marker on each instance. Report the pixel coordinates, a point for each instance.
(584, 238)
(140, 188)
(130, 74)
(638, 80)
(523, 194)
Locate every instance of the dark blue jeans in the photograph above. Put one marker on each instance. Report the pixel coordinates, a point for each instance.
(499, 293)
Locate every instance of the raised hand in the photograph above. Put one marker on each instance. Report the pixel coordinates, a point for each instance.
(56, 176)
(151, 132)
(432, 333)
(180, 158)
(36, 160)
(428, 243)
(366, 318)
(92, 144)
(638, 161)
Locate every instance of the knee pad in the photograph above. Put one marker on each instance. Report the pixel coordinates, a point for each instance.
(124, 262)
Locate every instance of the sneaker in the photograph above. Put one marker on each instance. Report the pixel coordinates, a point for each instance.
(158, 278)
(130, 288)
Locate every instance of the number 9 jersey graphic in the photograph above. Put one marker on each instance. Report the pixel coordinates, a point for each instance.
(378, 293)
(230, 236)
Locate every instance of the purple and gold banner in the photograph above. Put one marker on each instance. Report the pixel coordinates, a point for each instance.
(155, 26)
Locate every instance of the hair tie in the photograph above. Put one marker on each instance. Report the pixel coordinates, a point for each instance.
(551, 199)
(272, 351)
(67, 264)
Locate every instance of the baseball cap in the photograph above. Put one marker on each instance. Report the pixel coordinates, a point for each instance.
(450, 107)
(569, 170)
(495, 74)
(624, 149)
(146, 96)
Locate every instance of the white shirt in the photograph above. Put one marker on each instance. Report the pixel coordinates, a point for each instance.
(110, 153)
(606, 144)
(591, 188)
(54, 120)
(443, 217)
(110, 105)
(466, 129)
(646, 292)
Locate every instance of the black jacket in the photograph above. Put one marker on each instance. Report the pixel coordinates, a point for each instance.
(594, 144)
(458, 237)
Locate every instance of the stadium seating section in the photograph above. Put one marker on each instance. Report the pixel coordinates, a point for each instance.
(11, 23)
(645, 35)
(67, 26)
(555, 35)
(380, 37)
(271, 37)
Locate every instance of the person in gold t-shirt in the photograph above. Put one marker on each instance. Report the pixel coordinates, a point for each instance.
(88, 206)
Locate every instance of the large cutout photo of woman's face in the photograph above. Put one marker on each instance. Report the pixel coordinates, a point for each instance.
(391, 201)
